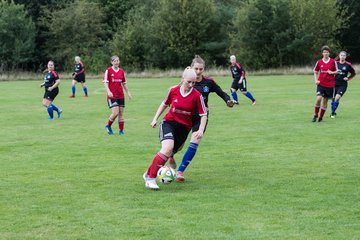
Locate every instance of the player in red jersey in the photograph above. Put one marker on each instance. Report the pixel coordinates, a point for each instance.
(184, 101)
(205, 85)
(115, 81)
(324, 77)
(51, 84)
(341, 81)
(79, 76)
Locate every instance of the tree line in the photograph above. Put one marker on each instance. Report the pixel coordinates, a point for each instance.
(166, 34)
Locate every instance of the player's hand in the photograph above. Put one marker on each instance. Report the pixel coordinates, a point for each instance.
(129, 95)
(230, 103)
(50, 89)
(153, 123)
(73, 74)
(346, 79)
(110, 94)
(198, 134)
(43, 84)
(317, 82)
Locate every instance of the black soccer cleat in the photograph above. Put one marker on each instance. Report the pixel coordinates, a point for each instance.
(314, 119)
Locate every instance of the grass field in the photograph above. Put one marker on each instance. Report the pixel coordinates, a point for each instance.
(264, 172)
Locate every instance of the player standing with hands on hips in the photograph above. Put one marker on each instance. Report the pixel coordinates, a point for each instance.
(341, 80)
(114, 82)
(239, 81)
(79, 76)
(324, 77)
(51, 84)
(183, 101)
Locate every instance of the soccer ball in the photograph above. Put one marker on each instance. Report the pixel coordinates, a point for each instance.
(166, 174)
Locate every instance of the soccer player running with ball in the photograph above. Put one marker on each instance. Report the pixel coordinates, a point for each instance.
(239, 81)
(114, 82)
(51, 84)
(184, 100)
(79, 76)
(205, 85)
(341, 80)
(324, 77)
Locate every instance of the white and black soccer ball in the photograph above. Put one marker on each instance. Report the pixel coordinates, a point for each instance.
(166, 174)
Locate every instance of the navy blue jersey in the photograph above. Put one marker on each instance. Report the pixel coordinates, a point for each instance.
(343, 71)
(79, 68)
(50, 78)
(208, 85)
(237, 71)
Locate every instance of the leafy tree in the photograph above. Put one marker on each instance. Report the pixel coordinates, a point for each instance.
(180, 29)
(17, 36)
(77, 29)
(349, 36)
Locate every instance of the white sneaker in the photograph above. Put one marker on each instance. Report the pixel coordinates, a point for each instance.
(151, 184)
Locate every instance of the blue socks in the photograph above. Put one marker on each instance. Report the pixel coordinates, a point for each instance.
(50, 111)
(188, 156)
(234, 95)
(334, 106)
(73, 90)
(248, 94)
(85, 91)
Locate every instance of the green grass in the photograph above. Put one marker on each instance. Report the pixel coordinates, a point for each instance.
(263, 172)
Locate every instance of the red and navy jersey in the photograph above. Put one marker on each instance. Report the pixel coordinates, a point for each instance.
(79, 68)
(343, 71)
(326, 80)
(115, 79)
(183, 106)
(208, 85)
(50, 78)
(237, 71)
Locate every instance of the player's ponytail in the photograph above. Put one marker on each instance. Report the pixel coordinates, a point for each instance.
(197, 59)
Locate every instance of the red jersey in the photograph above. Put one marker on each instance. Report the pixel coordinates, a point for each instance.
(115, 80)
(183, 106)
(326, 80)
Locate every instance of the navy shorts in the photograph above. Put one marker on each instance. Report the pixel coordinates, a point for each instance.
(113, 102)
(80, 78)
(340, 89)
(196, 120)
(51, 95)
(324, 91)
(175, 131)
(236, 85)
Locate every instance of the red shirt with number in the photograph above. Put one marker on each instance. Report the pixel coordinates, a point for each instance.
(183, 106)
(326, 80)
(115, 79)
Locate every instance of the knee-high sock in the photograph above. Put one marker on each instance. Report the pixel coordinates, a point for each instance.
(121, 125)
(322, 112)
(316, 111)
(334, 106)
(159, 160)
(188, 156)
(250, 96)
(50, 111)
(73, 89)
(234, 95)
(55, 107)
(85, 91)
(110, 122)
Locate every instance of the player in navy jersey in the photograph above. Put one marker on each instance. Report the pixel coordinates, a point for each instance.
(51, 84)
(183, 101)
(115, 82)
(79, 76)
(324, 77)
(205, 85)
(341, 81)
(239, 81)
